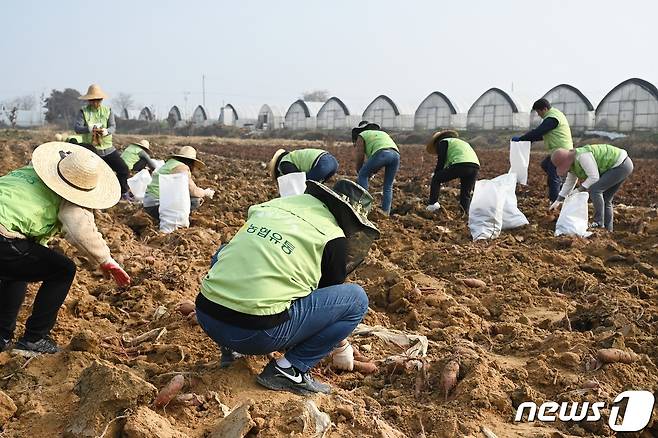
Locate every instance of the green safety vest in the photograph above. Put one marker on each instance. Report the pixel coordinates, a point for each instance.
(376, 141)
(605, 156)
(274, 258)
(154, 187)
(98, 116)
(560, 136)
(303, 159)
(28, 206)
(459, 152)
(131, 155)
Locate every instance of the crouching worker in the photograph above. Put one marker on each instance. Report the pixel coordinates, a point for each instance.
(184, 161)
(53, 194)
(279, 283)
(319, 165)
(602, 168)
(136, 156)
(454, 159)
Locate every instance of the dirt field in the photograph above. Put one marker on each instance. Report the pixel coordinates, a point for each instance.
(529, 334)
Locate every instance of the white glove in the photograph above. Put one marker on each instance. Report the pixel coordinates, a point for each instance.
(342, 358)
(433, 207)
(208, 193)
(104, 132)
(555, 205)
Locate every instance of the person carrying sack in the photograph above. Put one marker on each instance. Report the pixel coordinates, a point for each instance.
(602, 168)
(136, 156)
(556, 133)
(183, 161)
(318, 165)
(54, 194)
(454, 159)
(381, 151)
(96, 124)
(279, 284)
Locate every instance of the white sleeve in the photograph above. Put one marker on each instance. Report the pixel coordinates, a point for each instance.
(591, 169)
(569, 184)
(79, 229)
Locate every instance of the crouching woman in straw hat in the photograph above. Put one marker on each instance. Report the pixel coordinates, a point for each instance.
(53, 194)
(136, 156)
(279, 283)
(318, 165)
(96, 124)
(454, 159)
(183, 161)
(602, 168)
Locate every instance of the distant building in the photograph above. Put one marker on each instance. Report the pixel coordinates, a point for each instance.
(301, 115)
(436, 111)
(577, 108)
(146, 114)
(496, 109)
(174, 117)
(630, 106)
(389, 115)
(335, 113)
(200, 116)
(238, 115)
(270, 117)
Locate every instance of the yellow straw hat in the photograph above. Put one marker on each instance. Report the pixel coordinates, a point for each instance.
(93, 92)
(76, 174)
(144, 144)
(430, 147)
(188, 152)
(271, 166)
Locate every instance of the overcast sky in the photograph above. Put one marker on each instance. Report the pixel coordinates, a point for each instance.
(255, 52)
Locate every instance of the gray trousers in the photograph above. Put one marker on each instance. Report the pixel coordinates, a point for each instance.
(602, 192)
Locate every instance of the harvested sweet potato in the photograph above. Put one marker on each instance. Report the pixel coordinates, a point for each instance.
(169, 391)
(186, 307)
(615, 355)
(473, 282)
(449, 377)
(365, 367)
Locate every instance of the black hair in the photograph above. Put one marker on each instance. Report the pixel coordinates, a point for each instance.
(541, 104)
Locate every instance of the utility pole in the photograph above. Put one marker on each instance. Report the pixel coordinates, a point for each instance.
(203, 87)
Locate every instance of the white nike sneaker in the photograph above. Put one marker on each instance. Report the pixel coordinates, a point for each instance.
(290, 379)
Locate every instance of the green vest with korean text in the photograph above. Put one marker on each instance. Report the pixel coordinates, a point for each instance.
(460, 152)
(100, 116)
(560, 136)
(605, 156)
(130, 155)
(274, 258)
(28, 206)
(303, 159)
(154, 187)
(375, 141)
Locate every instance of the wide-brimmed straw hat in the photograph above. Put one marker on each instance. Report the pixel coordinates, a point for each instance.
(350, 204)
(93, 92)
(430, 147)
(76, 174)
(144, 144)
(364, 125)
(271, 166)
(188, 152)
(562, 159)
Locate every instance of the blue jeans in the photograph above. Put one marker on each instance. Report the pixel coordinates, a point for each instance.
(324, 168)
(390, 160)
(318, 322)
(552, 178)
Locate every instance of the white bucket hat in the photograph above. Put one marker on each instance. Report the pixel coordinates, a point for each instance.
(188, 152)
(93, 92)
(76, 174)
(271, 166)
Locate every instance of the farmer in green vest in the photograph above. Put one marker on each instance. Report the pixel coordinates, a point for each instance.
(556, 133)
(136, 156)
(601, 168)
(279, 283)
(96, 124)
(319, 165)
(381, 151)
(54, 194)
(454, 159)
(183, 161)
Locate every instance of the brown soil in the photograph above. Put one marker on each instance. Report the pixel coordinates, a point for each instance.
(548, 304)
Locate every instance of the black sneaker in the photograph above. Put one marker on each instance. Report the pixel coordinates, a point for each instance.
(290, 379)
(43, 345)
(228, 357)
(4, 344)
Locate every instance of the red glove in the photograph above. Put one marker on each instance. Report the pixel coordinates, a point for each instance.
(118, 274)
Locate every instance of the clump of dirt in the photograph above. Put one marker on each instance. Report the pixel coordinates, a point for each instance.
(531, 333)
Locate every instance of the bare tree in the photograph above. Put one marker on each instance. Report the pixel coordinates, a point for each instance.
(315, 95)
(123, 101)
(22, 103)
